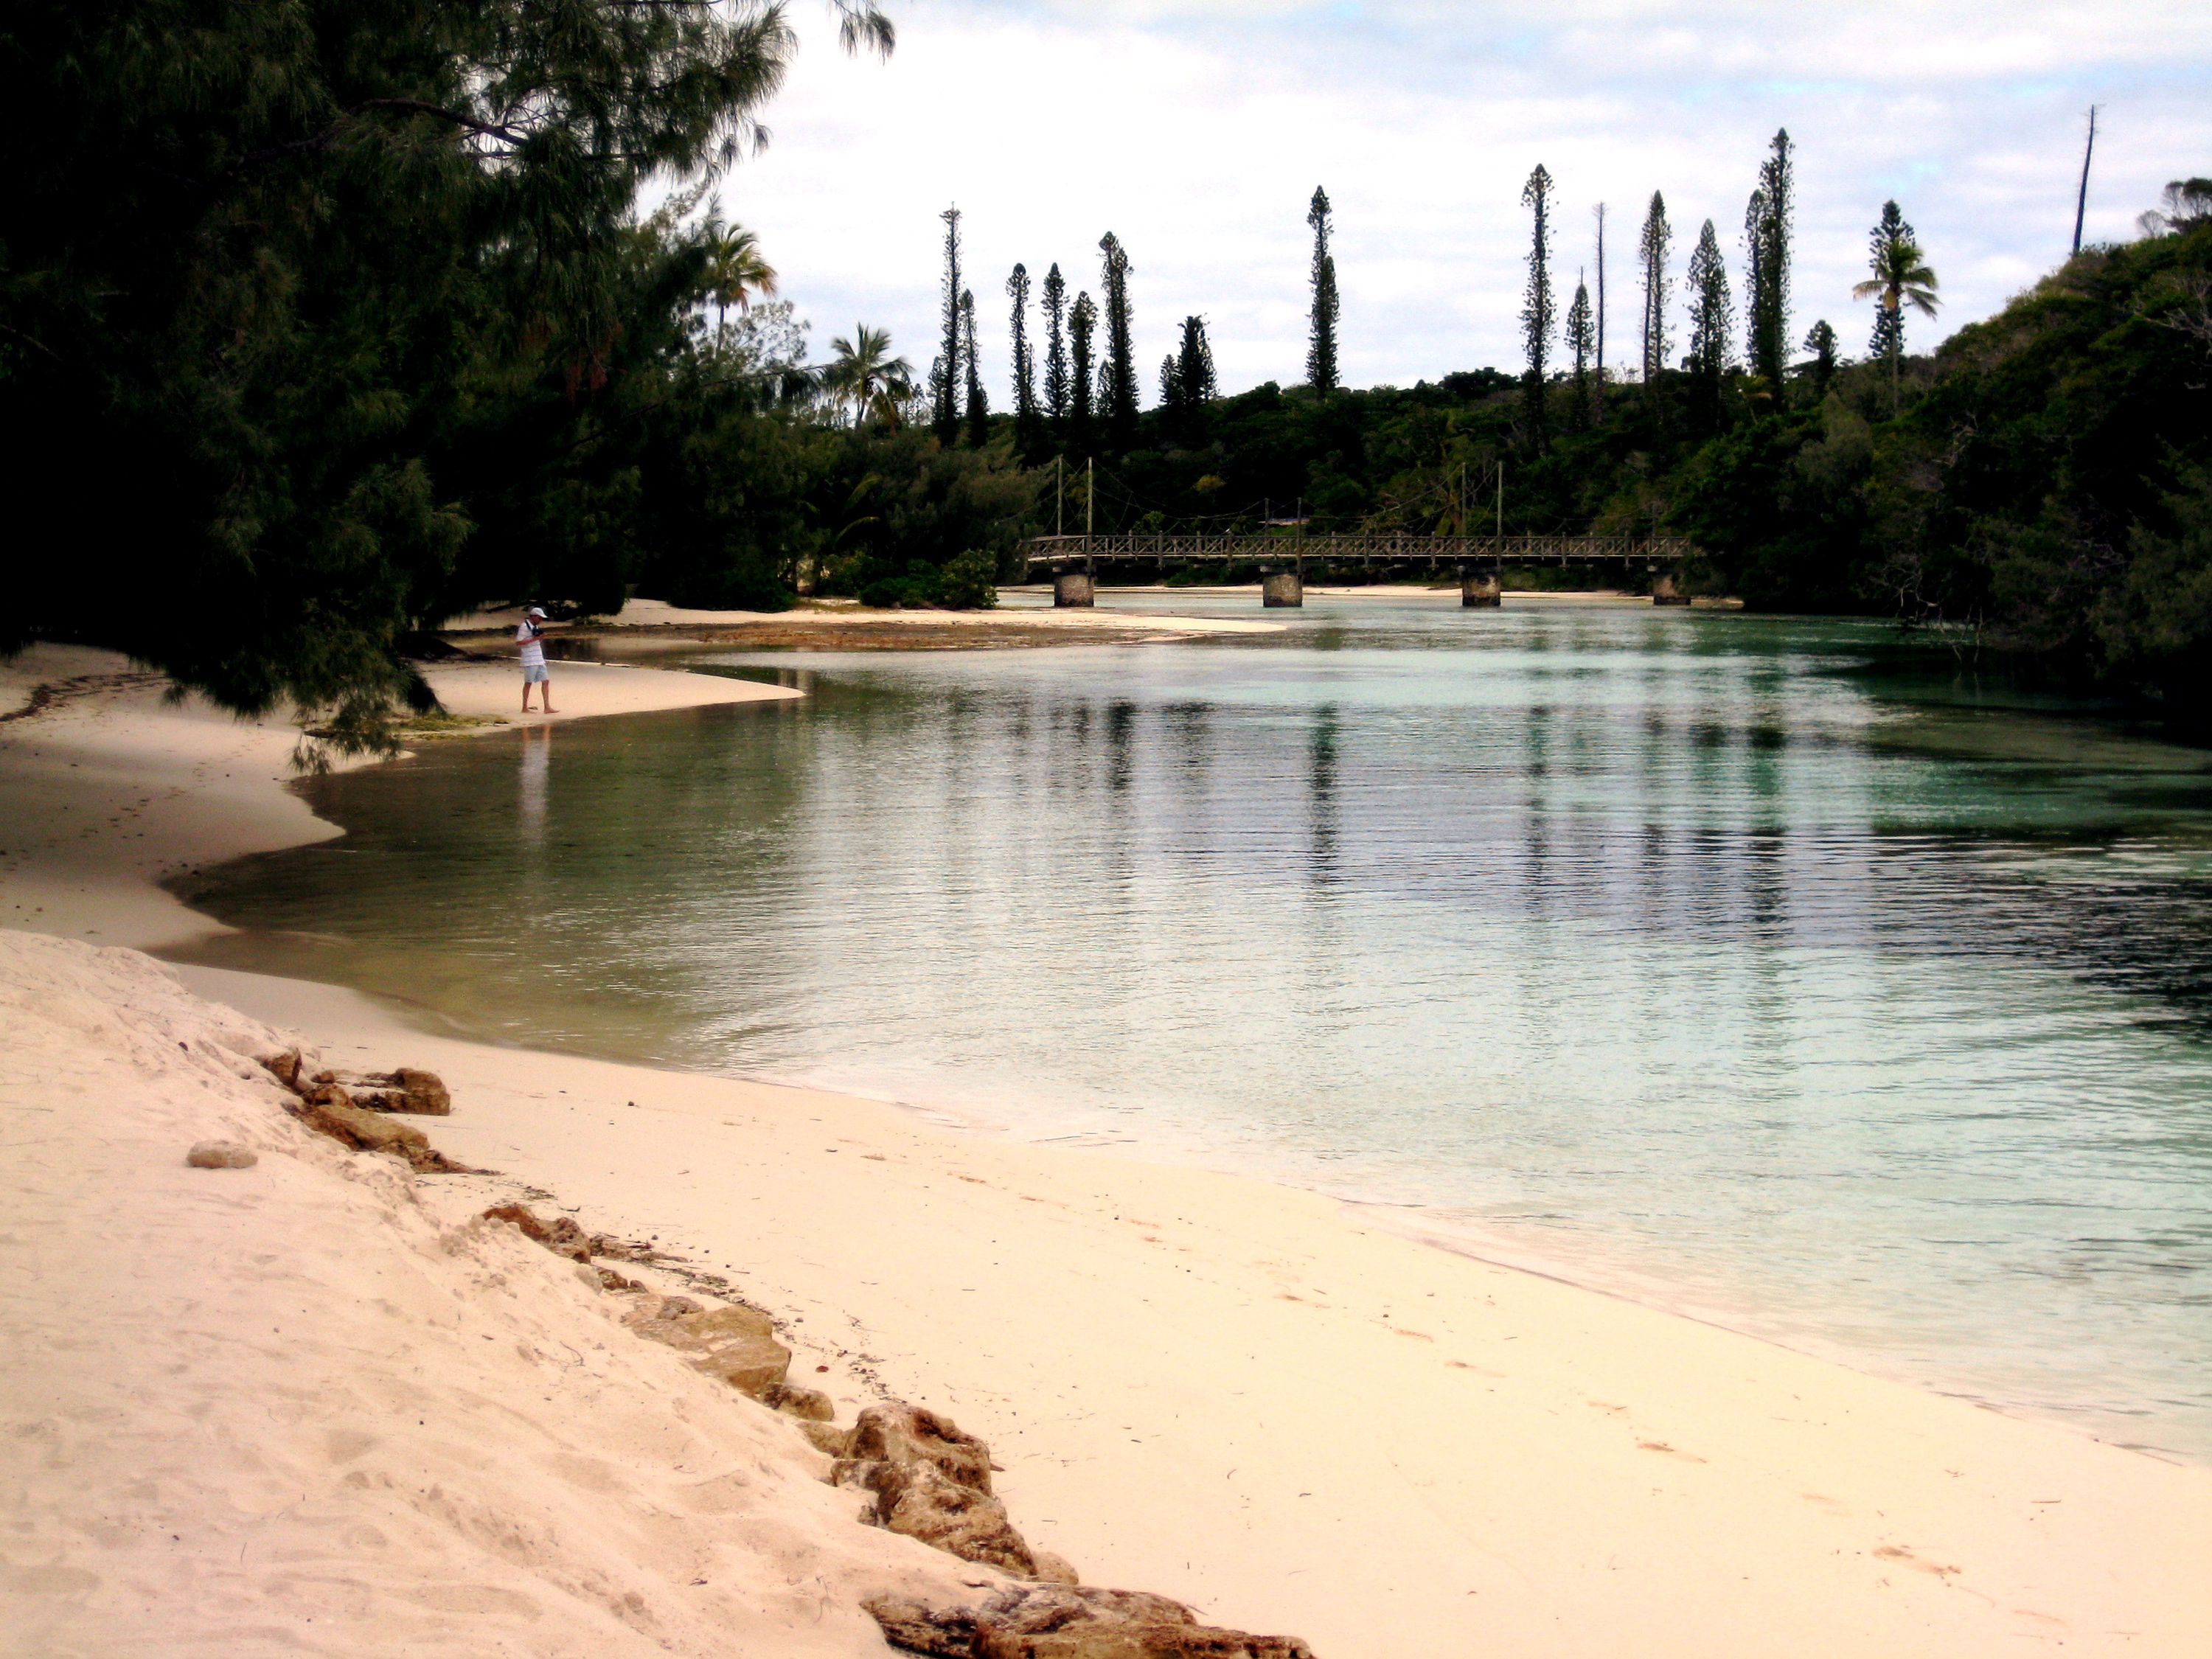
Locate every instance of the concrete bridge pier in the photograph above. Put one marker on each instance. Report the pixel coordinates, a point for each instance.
(1667, 590)
(1073, 588)
(1281, 589)
(1479, 589)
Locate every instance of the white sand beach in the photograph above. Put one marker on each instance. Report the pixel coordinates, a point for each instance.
(312, 1406)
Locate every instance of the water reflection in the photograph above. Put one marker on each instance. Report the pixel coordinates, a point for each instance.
(1688, 954)
(537, 768)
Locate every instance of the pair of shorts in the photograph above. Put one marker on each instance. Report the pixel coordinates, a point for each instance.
(534, 674)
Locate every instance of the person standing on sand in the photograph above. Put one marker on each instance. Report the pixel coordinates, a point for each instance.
(531, 636)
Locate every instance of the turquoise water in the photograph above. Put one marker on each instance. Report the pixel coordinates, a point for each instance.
(1762, 968)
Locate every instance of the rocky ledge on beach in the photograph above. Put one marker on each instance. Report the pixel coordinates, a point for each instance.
(925, 1479)
(392, 1411)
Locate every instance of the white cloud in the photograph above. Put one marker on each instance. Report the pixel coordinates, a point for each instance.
(1196, 132)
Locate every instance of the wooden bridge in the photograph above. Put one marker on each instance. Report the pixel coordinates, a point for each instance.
(1073, 560)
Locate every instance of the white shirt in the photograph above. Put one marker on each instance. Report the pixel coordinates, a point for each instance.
(533, 652)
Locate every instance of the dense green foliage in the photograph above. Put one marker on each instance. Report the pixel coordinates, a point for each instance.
(2039, 490)
(323, 321)
(320, 325)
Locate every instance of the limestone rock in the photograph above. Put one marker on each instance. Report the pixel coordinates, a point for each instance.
(285, 1067)
(328, 1111)
(826, 1437)
(221, 1155)
(918, 1500)
(810, 1404)
(1054, 1569)
(425, 1092)
(1049, 1621)
(560, 1235)
(737, 1345)
(405, 1089)
(899, 1433)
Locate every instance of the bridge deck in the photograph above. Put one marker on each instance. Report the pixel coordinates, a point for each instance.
(1656, 552)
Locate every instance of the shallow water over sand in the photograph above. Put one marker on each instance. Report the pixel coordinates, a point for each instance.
(1754, 966)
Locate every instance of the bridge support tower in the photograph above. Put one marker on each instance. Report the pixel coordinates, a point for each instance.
(1667, 590)
(1282, 589)
(1479, 589)
(1073, 588)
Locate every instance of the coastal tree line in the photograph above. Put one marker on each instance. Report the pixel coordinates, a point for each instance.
(324, 323)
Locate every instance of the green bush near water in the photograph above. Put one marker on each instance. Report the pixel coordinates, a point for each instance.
(963, 583)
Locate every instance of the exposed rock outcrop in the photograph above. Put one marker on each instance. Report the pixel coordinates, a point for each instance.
(899, 1433)
(737, 1345)
(1050, 1621)
(932, 1482)
(409, 1089)
(327, 1103)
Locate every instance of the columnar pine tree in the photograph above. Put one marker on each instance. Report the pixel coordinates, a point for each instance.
(1901, 280)
(1599, 402)
(1821, 341)
(946, 382)
(1186, 383)
(979, 405)
(1755, 249)
(1321, 350)
(1056, 387)
(1082, 322)
(1195, 365)
(1651, 250)
(1711, 321)
(1581, 338)
(1766, 292)
(1025, 402)
(1536, 305)
(1119, 379)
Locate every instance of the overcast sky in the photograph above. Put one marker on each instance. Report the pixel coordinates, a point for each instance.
(1196, 130)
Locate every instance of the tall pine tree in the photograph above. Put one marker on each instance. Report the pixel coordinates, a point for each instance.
(1025, 402)
(1195, 364)
(1652, 249)
(1598, 402)
(1536, 305)
(1082, 324)
(1902, 281)
(1711, 322)
(947, 383)
(1119, 387)
(1580, 337)
(1766, 292)
(1821, 341)
(979, 405)
(1321, 351)
(1056, 384)
(1186, 383)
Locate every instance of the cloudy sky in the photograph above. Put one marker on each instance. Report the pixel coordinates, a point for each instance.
(1196, 130)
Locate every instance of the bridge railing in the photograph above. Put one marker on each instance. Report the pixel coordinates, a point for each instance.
(1654, 550)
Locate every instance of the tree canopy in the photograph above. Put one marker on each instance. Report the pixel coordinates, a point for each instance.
(322, 321)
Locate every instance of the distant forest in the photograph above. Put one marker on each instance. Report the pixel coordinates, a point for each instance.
(321, 324)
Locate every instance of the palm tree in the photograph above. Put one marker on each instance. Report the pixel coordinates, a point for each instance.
(863, 374)
(736, 270)
(1901, 278)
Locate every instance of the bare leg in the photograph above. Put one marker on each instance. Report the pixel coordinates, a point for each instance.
(546, 687)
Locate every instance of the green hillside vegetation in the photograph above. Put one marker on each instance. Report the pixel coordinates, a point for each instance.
(320, 324)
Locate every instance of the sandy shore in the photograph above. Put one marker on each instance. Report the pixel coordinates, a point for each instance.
(1232, 1393)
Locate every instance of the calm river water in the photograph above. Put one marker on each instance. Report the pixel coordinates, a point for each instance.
(1762, 968)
